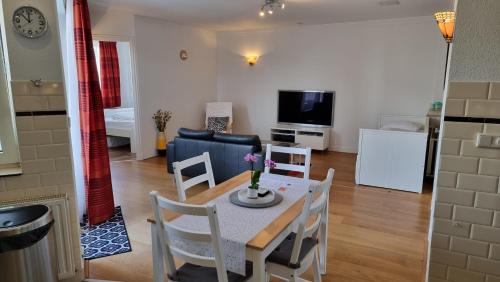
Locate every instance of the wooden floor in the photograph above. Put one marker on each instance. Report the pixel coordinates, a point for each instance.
(374, 234)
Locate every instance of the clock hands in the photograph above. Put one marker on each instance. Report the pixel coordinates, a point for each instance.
(29, 16)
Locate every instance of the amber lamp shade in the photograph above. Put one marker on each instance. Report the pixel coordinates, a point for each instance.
(446, 24)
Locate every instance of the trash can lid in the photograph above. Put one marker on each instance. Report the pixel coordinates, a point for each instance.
(18, 220)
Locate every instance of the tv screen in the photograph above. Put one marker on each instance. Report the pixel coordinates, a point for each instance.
(306, 107)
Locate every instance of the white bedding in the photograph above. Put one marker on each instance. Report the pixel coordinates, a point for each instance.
(120, 122)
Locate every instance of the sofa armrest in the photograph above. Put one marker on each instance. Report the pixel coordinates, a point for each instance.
(170, 156)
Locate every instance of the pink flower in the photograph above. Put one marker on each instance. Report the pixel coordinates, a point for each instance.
(270, 164)
(250, 158)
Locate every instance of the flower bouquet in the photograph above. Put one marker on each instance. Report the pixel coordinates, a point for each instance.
(253, 189)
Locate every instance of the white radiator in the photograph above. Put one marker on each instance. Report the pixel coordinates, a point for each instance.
(62, 232)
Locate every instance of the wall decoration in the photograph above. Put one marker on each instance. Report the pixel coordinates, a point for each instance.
(183, 54)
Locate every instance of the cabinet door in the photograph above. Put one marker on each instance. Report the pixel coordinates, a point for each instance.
(408, 161)
(374, 159)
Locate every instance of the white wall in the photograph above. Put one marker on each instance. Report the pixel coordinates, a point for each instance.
(476, 52)
(29, 56)
(126, 85)
(390, 66)
(109, 21)
(166, 82)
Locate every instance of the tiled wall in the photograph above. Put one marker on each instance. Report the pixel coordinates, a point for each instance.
(44, 146)
(466, 236)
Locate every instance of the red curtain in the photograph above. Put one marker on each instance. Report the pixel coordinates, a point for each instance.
(97, 174)
(110, 74)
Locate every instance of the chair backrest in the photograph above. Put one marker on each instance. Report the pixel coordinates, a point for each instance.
(306, 152)
(182, 185)
(220, 109)
(315, 205)
(165, 230)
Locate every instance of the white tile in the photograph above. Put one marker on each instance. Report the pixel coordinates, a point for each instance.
(27, 138)
(438, 270)
(468, 90)
(461, 130)
(483, 108)
(490, 128)
(494, 91)
(51, 122)
(450, 146)
(455, 196)
(448, 227)
(473, 215)
(488, 201)
(20, 88)
(60, 136)
(38, 166)
(440, 241)
(448, 258)
(484, 265)
(461, 275)
(459, 164)
(447, 179)
(485, 233)
(469, 149)
(489, 167)
(57, 103)
(27, 153)
(442, 210)
(22, 181)
(24, 123)
(57, 178)
(476, 182)
(52, 151)
(31, 103)
(455, 107)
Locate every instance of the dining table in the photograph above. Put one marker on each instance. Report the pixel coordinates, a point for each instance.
(263, 240)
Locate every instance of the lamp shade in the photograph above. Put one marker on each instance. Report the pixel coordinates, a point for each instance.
(446, 24)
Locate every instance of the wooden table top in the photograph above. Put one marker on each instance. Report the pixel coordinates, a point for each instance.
(263, 238)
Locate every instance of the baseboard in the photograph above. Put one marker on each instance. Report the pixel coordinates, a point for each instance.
(344, 149)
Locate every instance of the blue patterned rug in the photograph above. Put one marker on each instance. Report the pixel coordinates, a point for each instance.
(106, 239)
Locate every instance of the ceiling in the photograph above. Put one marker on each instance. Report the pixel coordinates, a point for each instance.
(222, 15)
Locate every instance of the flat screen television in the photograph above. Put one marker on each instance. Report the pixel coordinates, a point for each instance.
(313, 108)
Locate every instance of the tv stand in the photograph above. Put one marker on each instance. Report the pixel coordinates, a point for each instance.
(317, 138)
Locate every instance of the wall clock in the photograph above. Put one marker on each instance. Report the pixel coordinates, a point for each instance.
(183, 54)
(29, 22)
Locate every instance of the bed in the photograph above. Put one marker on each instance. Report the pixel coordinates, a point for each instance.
(393, 156)
(120, 122)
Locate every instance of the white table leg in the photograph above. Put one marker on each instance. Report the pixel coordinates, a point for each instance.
(323, 244)
(157, 255)
(259, 266)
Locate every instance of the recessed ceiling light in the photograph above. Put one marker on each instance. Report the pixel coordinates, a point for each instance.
(388, 2)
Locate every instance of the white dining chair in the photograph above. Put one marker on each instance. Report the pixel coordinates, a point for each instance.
(306, 152)
(299, 250)
(182, 185)
(196, 267)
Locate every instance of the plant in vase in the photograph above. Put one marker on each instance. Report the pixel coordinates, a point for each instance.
(161, 119)
(253, 189)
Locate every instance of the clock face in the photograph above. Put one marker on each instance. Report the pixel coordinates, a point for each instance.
(29, 22)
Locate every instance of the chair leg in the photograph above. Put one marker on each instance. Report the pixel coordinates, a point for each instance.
(316, 268)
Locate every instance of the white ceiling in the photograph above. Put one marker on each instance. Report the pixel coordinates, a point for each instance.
(243, 14)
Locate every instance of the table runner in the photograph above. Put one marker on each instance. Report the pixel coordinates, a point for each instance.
(238, 225)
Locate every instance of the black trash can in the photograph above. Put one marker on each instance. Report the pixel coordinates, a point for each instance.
(24, 248)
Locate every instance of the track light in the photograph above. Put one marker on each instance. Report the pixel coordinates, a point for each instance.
(270, 5)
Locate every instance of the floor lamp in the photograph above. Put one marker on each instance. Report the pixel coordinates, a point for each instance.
(446, 24)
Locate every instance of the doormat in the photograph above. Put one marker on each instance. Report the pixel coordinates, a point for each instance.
(105, 239)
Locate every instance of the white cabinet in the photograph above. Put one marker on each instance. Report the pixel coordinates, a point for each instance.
(391, 159)
(315, 138)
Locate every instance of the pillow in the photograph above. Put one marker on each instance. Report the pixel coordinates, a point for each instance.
(195, 134)
(218, 124)
(404, 125)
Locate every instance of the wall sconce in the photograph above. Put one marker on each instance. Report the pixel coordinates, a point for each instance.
(251, 59)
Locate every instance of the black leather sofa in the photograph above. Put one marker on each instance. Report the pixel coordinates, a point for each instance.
(226, 152)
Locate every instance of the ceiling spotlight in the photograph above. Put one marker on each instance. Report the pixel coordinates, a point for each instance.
(270, 5)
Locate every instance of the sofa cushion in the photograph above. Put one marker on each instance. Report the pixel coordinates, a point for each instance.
(195, 134)
(253, 140)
